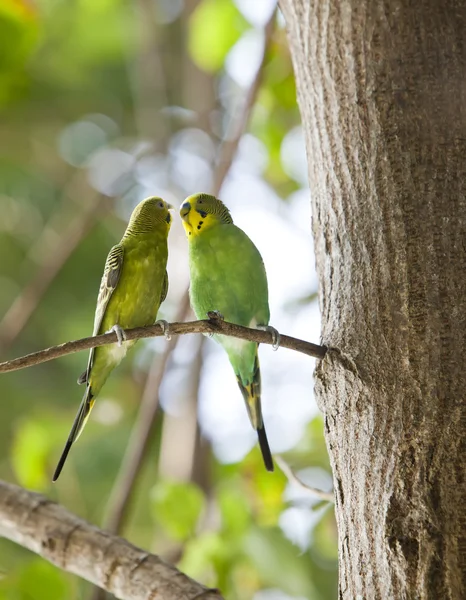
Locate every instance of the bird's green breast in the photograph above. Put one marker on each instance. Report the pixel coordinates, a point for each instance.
(228, 275)
(136, 299)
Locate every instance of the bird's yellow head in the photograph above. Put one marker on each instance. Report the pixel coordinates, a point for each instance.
(200, 211)
(149, 215)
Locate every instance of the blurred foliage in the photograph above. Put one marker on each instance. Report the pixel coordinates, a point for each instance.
(95, 96)
(176, 507)
(214, 27)
(19, 27)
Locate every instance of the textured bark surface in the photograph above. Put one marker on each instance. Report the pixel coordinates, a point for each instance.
(382, 92)
(112, 563)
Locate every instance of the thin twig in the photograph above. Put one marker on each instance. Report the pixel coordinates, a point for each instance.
(200, 465)
(186, 462)
(175, 460)
(148, 80)
(229, 147)
(112, 563)
(124, 485)
(209, 326)
(292, 477)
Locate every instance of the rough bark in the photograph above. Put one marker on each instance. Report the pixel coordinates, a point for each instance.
(382, 93)
(110, 562)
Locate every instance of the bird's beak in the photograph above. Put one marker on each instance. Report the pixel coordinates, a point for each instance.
(169, 218)
(184, 210)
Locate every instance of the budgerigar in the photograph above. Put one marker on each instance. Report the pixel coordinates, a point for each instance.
(228, 277)
(134, 284)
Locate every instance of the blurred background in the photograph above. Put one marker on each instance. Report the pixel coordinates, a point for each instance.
(102, 103)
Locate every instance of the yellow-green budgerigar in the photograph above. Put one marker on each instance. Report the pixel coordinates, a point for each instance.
(134, 284)
(228, 277)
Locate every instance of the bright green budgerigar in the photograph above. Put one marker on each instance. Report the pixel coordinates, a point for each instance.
(228, 277)
(134, 284)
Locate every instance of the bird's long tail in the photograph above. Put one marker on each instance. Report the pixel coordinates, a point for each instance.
(79, 422)
(252, 397)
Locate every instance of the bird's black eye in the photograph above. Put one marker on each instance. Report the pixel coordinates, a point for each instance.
(199, 201)
(161, 205)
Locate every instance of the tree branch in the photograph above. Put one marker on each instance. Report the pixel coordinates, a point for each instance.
(209, 326)
(293, 478)
(124, 486)
(129, 573)
(229, 147)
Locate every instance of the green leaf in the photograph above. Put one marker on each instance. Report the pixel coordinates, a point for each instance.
(280, 563)
(204, 556)
(326, 538)
(31, 447)
(235, 511)
(36, 580)
(177, 507)
(214, 27)
(18, 32)
(18, 36)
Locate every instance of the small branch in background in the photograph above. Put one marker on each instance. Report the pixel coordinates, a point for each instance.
(124, 485)
(22, 308)
(112, 563)
(197, 88)
(200, 462)
(293, 478)
(229, 147)
(183, 462)
(175, 460)
(148, 80)
(215, 326)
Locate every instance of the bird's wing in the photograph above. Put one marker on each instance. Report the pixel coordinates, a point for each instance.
(112, 272)
(164, 292)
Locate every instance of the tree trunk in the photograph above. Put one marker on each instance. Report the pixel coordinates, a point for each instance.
(382, 93)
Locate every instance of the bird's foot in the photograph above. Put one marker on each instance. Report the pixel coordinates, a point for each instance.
(165, 327)
(216, 315)
(274, 333)
(121, 335)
